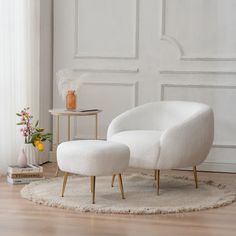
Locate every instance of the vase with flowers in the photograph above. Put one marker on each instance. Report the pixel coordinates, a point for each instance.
(34, 136)
(69, 82)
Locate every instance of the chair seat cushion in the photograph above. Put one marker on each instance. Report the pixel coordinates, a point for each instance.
(93, 157)
(144, 146)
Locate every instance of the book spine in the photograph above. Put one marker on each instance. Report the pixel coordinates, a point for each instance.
(22, 181)
(24, 170)
(25, 175)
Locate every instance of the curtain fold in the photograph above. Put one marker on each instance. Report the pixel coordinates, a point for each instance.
(19, 71)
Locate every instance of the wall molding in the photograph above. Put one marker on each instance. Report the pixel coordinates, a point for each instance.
(130, 70)
(179, 47)
(133, 84)
(162, 98)
(164, 36)
(200, 72)
(134, 55)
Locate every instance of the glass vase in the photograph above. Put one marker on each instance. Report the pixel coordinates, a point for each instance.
(71, 100)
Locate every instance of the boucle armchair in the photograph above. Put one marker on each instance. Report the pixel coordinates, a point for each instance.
(165, 135)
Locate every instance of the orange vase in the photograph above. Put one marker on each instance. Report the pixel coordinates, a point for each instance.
(71, 100)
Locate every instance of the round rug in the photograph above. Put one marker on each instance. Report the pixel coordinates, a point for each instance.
(177, 194)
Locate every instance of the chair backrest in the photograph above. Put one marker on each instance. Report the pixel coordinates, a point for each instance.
(155, 116)
(163, 115)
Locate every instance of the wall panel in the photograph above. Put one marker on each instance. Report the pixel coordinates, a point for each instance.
(106, 28)
(200, 29)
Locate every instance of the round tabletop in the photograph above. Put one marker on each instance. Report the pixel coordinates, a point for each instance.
(78, 112)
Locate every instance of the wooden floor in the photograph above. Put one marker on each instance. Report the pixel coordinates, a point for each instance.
(21, 217)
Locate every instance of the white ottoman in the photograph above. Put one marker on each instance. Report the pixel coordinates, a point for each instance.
(93, 158)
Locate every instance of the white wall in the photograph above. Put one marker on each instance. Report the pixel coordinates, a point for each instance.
(46, 25)
(136, 51)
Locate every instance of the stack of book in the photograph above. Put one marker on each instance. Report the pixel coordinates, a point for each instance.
(18, 175)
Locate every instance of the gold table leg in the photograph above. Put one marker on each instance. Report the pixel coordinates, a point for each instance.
(121, 186)
(113, 180)
(96, 126)
(68, 127)
(155, 174)
(58, 140)
(57, 171)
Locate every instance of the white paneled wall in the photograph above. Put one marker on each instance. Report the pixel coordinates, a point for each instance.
(200, 29)
(115, 21)
(136, 51)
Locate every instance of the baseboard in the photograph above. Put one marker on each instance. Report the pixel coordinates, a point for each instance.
(215, 167)
(218, 167)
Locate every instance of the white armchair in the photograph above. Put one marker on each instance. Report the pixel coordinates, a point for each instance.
(165, 135)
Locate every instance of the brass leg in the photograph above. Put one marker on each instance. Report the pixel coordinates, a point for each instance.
(155, 174)
(64, 184)
(58, 140)
(68, 127)
(121, 186)
(57, 171)
(113, 180)
(96, 126)
(94, 180)
(91, 184)
(158, 182)
(195, 176)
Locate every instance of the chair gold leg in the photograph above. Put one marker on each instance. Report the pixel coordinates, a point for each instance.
(195, 176)
(158, 182)
(91, 184)
(64, 184)
(113, 180)
(57, 171)
(121, 186)
(155, 174)
(94, 180)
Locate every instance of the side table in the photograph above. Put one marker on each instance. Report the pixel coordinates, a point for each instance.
(61, 112)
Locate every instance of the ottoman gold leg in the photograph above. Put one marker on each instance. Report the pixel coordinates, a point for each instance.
(155, 174)
(195, 176)
(121, 186)
(158, 182)
(93, 180)
(113, 180)
(64, 184)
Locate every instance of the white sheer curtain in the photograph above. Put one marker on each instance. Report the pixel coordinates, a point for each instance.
(19, 71)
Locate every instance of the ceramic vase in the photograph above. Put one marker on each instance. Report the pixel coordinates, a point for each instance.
(31, 154)
(22, 159)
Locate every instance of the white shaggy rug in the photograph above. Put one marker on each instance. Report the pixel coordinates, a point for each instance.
(177, 194)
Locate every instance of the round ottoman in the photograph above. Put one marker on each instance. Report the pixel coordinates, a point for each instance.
(93, 158)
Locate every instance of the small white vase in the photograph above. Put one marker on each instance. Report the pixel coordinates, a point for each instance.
(22, 159)
(31, 154)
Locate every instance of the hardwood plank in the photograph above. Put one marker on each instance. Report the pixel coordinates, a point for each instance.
(22, 217)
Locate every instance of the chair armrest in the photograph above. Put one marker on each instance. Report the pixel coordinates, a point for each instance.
(188, 143)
